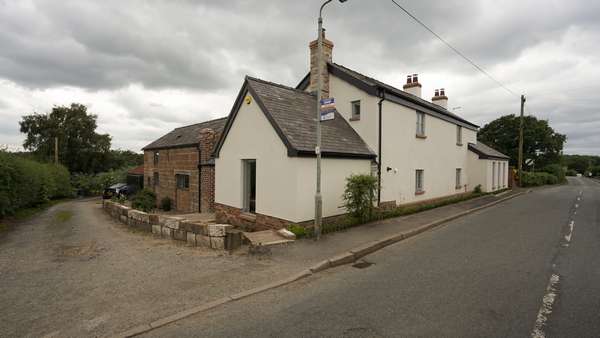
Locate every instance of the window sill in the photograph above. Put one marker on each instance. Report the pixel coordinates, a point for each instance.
(458, 187)
(420, 136)
(355, 118)
(459, 144)
(420, 192)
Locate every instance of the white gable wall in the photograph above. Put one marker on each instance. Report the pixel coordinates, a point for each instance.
(285, 186)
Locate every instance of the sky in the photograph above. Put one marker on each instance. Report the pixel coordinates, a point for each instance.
(146, 67)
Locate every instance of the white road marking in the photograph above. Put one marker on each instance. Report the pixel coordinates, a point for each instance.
(576, 206)
(571, 225)
(546, 308)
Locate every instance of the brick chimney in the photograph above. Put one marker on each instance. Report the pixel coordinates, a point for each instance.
(440, 98)
(327, 57)
(412, 85)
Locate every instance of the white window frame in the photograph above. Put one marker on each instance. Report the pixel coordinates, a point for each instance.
(353, 105)
(420, 124)
(419, 181)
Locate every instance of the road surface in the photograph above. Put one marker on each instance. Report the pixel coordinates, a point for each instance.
(528, 267)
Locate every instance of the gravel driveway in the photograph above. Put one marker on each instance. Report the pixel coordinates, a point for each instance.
(73, 272)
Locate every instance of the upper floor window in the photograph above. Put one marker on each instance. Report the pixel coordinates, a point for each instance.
(156, 156)
(420, 124)
(458, 135)
(419, 181)
(355, 110)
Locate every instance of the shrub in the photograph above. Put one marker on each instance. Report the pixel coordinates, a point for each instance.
(94, 184)
(359, 195)
(165, 204)
(571, 172)
(144, 200)
(557, 170)
(477, 189)
(298, 230)
(531, 179)
(26, 183)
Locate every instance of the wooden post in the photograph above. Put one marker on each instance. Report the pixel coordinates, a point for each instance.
(520, 164)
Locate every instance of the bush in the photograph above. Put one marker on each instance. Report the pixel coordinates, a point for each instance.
(93, 185)
(26, 183)
(531, 179)
(557, 171)
(165, 204)
(359, 196)
(298, 230)
(144, 200)
(571, 172)
(477, 189)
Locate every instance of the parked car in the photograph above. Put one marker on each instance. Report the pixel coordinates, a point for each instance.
(119, 189)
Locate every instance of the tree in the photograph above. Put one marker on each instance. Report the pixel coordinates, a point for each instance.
(80, 148)
(540, 142)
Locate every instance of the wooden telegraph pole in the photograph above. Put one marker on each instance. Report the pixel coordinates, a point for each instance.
(521, 142)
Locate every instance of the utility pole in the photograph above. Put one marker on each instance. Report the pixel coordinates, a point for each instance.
(521, 142)
(55, 150)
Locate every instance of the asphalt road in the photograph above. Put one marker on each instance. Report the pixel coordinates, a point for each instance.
(527, 267)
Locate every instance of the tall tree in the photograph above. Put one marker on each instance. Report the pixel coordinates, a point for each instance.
(80, 148)
(541, 143)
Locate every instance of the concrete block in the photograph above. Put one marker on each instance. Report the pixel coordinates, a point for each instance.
(156, 229)
(124, 219)
(285, 233)
(172, 222)
(203, 241)
(125, 210)
(180, 235)
(191, 238)
(217, 243)
(218, 230)
(167, 232)
(195, 227)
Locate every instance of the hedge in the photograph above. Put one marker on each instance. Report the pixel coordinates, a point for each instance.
(533, 179)
(93, 185)
(27, 183)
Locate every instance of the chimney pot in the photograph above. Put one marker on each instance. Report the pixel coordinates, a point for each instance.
(412, 85)
(408, 79)
(440, 98)
(416, 78)
(436, 93)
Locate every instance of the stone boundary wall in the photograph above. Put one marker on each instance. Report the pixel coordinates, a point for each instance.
(213, 236)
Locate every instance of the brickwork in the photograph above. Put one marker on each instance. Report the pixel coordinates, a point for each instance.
(328, 55)
(246, 221)
(193, 161)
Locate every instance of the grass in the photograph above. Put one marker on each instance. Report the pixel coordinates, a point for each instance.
(63, 216)
(26, 213)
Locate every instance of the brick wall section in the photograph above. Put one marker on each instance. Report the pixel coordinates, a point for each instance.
(246, 221)
(328, 54)
(184, 160)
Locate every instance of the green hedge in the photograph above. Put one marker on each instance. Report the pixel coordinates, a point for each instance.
(27, 183)
(533, 179)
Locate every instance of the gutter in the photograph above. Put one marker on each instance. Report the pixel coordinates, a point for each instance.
(380, 104)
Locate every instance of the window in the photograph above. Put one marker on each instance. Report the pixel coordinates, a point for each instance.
(419, 177)
(420, 124)
(155, 179)
(458, 176)
(156, 156)
(249, 185)
(355, 110)
(458, 135)
(183, 181)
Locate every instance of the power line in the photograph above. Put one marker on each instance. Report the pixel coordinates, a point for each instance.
(454, 49)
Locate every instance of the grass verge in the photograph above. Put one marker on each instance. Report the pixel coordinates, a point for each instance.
(26, 213)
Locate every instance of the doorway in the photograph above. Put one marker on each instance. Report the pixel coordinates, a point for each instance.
(249, 185)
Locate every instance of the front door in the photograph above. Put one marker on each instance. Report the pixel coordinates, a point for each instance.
(250, 186)
(183, 197)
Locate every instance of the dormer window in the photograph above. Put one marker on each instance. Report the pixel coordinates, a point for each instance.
(355, 110)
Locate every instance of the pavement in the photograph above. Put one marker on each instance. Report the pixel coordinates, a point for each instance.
(527, 267)
(85, 275)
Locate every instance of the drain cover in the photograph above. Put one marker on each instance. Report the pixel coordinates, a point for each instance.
(362, 264)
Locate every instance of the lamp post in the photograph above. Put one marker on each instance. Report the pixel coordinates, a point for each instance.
(318, 197)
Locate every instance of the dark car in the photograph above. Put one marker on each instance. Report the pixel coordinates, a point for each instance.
(119, 189)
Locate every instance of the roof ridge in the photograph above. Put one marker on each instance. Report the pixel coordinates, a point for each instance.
(195, 124)
(278, 85)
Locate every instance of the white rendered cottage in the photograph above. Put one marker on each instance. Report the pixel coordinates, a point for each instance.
(265, 161)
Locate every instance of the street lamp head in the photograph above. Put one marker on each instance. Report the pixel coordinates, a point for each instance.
(342, 1)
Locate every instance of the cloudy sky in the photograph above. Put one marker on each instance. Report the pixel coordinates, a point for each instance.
(146, 67)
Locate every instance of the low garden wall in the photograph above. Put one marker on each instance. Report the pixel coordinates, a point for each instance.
(213, 236)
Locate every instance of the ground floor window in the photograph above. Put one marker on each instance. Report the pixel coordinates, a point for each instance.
(458, 177)
(155, 179)
(419, 181)
(183, 181)
(249, 185)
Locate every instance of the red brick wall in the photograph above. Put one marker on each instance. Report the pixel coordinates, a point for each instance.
(185, 161)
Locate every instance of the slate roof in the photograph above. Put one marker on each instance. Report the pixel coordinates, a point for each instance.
(187, 135)
(374, 86)
(486, 152)
(292, 112)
